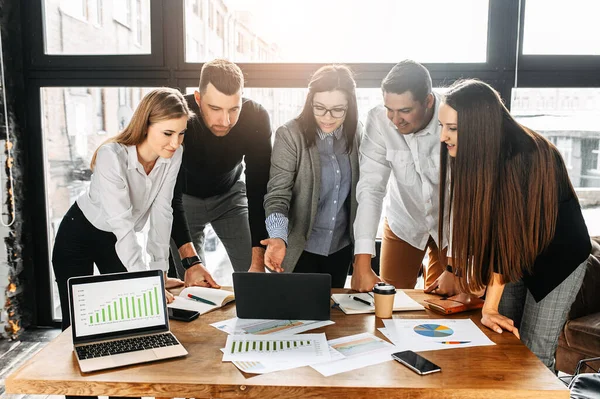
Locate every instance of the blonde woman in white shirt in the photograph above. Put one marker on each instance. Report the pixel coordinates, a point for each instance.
(134, 174)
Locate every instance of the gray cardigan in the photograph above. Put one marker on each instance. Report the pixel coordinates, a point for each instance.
(294, 185)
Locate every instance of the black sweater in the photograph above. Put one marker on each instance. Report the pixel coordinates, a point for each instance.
(211, 165)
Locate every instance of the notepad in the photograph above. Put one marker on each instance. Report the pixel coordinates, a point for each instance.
(349, 305)
(218, 296)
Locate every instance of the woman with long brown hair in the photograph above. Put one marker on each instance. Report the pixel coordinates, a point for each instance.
(515, 222)
(134, 174)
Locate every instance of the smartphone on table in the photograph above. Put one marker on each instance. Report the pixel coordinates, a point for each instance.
(182, 314)
(416, 362)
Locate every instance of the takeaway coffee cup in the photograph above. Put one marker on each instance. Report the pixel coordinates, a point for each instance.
(384, 295)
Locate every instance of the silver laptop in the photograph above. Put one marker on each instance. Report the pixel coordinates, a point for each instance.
(120, 319)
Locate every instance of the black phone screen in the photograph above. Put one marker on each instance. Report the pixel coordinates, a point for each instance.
(183, 315)
(416, 362)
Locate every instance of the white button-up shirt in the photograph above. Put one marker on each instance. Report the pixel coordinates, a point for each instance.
(414, 161)
(121, 198)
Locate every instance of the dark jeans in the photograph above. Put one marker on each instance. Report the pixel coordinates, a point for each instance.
(336, 265)
(77, 247)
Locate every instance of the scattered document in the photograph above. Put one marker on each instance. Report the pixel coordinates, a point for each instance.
(311, 348)
(365, 303)
(434, 334)
(263, 367)
(263, 327)
(355, 351)
(201, 299)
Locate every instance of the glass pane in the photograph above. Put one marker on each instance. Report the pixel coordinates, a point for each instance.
(336, 30)
(561, 27)
(75, 121)
(569, 118)
(86, 27)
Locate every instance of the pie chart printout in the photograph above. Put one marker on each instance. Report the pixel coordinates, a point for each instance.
(433, 330)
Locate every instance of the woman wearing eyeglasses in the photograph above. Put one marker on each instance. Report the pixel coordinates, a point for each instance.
(311, 199)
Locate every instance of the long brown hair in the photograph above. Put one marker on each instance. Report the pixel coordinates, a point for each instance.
(156, 106)
(504, 188)
(330, 78)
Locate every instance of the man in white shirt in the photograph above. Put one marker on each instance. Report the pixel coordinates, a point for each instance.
(402, 139)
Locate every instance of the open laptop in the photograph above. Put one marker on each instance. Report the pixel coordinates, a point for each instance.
(120, 319)
(282, 296)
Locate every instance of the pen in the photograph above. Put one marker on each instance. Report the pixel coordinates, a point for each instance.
(362, 300)
(197, 298)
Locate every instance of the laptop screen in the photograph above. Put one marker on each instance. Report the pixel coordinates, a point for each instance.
(114, 305)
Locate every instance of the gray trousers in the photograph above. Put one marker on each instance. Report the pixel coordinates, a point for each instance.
(540, 323)
(228, 215)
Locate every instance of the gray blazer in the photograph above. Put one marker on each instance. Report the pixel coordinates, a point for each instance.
(294, 185)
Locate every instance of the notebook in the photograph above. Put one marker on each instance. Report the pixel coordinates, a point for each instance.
(282, 296)
(200, 298)
(366, 304)
(455, 304)
(120, 319)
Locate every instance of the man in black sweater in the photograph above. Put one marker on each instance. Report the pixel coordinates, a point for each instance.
(226, 130)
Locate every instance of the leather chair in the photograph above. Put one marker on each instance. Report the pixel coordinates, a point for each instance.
(580, 338)
(585, 386)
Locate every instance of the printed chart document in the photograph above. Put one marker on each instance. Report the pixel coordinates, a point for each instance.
(434, 334)
(263, 327)
(366, 302)
(311, 348)
(254, 367)
(200, 298)
(356, 351)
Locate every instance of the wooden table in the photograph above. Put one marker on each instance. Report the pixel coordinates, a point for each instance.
(507, 370)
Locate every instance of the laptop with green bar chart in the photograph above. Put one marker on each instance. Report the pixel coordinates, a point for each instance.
(120, 319)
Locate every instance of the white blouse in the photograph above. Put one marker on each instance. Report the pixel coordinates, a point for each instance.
(121, 198)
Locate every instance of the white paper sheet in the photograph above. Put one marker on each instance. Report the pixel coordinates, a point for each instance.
(434, 334)
(311, 348)
(356, 351)
(263, 367)
(268, 327)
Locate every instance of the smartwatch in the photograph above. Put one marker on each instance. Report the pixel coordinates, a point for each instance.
(190, 261)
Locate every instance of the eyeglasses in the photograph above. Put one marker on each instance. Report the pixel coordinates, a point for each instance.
(337, 113)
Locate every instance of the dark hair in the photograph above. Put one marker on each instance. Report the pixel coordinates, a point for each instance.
(408, 75)
(504, 188)
(330, 78)
(226, 76)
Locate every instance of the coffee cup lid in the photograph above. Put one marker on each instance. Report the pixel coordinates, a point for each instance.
(383, 288)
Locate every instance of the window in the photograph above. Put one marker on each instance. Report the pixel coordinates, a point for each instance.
(569, 119)
(138, 22)
(75, 121)
(565, 147)
(220, 25)
(595, 158)
(197, 8)
(78, 27)
(375, 31)
(94, 8)
(74, 8)
(122, 11)
(561, 27)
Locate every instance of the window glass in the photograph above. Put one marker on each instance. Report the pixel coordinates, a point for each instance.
(561, 27)
(88, 27)
(570, 119)
(75, 121)
(337, 30)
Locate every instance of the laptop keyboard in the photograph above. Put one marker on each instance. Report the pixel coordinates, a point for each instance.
(125, 345)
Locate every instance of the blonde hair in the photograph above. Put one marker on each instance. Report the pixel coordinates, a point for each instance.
(156, 106)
